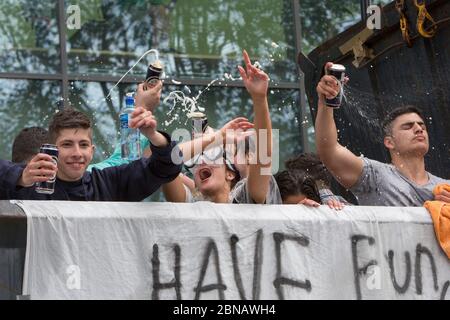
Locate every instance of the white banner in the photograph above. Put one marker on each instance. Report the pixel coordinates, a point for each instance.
(86, 250)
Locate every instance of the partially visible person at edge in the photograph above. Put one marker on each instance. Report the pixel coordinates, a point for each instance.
(221, 182)
(25, 146)
(28, 143)
(309, 165)
(71, 131)
(404, 181)
(297, 188)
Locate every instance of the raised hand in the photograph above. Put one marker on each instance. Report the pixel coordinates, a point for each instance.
(240, 123)
(329, 87)
(148, 96)
(143, 120)
(255, 80)
(40, 169)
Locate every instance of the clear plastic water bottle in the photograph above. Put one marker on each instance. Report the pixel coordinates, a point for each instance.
(129, 138)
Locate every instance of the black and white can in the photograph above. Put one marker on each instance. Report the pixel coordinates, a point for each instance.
(48, 187)
(337, 71)
(154, 72)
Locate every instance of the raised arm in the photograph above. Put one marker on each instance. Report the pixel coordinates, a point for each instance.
(341, 162)
(257, 83)
(196, 146)
(147, 97)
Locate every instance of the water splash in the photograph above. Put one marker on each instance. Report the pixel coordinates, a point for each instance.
(227, 76)
(177, 97)
(257, 65)
(154, 51)
(187, 103)
(206, 89)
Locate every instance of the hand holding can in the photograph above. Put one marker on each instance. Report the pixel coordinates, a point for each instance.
(337, 71)
(48, 187)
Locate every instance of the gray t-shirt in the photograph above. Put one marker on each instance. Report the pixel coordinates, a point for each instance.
(240, 194)
(381, 184)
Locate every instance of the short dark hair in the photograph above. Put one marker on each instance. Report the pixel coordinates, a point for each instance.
(292, 183)
(311, 165)
(397, 112)
(27, 144)
(68, 118)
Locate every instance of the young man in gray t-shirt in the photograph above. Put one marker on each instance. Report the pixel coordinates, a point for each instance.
(382, 184)
(404, 182)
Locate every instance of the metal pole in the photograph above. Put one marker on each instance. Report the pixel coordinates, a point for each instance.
(364, 5)
(302, 107)
(63, 52)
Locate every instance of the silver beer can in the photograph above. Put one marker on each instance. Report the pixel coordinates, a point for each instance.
(199, 122)
(48, 187)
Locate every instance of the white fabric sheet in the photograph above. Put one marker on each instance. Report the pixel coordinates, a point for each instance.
(87, 250)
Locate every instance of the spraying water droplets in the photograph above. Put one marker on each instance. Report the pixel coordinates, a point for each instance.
(154, 51)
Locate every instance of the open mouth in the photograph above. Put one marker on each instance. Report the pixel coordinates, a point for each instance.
(204, 174)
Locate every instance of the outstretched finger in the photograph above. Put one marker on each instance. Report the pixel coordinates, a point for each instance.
(247, 61)
(243, 73)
